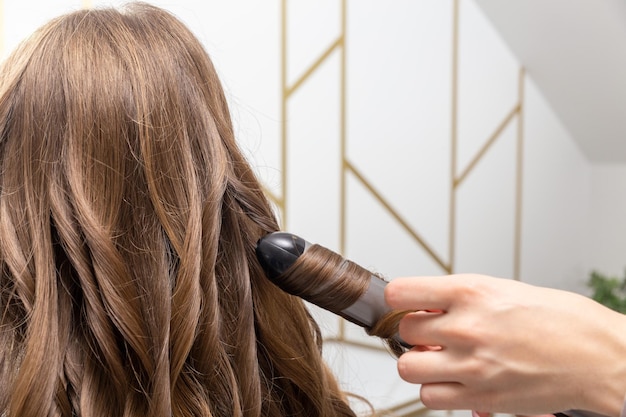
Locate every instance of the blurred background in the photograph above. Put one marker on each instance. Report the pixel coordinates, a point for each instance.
(422, 137)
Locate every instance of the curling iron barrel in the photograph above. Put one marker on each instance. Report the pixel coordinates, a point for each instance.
(330, 287)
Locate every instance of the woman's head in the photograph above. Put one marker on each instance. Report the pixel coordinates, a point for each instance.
(128, 219)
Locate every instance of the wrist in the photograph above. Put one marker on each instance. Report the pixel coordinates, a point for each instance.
(607, 388)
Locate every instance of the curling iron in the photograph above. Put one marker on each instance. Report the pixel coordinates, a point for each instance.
(278, 251)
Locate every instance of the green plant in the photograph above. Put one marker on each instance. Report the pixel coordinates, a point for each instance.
(609, 291)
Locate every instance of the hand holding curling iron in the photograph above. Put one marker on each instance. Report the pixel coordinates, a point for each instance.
(504, 346)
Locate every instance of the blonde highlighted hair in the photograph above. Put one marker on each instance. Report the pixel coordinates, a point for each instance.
(128, 221)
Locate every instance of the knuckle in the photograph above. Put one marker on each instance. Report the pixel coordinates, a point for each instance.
(462, 330)
(471, 286)
(476, 369)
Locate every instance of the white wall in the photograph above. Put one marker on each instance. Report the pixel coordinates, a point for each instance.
(607, 226)
(557, 188)
(392, 109)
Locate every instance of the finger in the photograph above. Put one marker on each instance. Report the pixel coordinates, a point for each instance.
(419, 366)
(420, 293)
(420, 328)
(445, 396)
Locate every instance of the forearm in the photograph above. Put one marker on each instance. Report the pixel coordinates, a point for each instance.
(606, 395)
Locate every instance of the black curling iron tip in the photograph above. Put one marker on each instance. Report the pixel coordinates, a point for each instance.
(278, 251)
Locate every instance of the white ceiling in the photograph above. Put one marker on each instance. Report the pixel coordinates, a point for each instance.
(575, 52)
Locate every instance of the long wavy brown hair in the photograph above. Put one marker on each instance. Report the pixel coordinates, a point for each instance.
(128, 221)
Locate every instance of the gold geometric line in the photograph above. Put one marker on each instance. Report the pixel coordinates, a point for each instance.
(517, 254)
(405, 225)
(286, 93)
(410, 403)
(283, 127)
(341, 337)
(319, 61)
(420, 412)
(492, 139)
(2, 28)
(342, 133)
(453, 134)
(343, 140)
